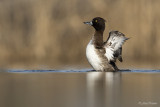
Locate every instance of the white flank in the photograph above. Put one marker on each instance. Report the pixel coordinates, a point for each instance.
(92, 56)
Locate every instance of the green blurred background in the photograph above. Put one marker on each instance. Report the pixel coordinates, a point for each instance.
(50, 34)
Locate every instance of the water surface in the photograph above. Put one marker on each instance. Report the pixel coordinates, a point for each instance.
(79, 88)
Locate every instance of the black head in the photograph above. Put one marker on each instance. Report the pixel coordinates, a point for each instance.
(98, 23)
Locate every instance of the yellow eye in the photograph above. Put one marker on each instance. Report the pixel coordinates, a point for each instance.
(96, 21)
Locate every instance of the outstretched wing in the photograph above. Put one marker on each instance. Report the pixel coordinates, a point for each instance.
(113, 45)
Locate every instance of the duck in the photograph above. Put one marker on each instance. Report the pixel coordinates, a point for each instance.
(102, 55)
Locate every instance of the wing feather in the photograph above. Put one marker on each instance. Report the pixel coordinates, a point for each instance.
(113, 44)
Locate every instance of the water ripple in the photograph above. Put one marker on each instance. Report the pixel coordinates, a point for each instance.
(83, 70)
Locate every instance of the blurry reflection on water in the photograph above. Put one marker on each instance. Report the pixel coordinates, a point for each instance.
(22, 88)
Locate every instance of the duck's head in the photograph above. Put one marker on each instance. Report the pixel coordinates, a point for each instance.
(98, 23)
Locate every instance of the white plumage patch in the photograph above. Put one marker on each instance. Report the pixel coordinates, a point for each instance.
(113, 44)
(92, 56)
(117, 42)
(109, 53)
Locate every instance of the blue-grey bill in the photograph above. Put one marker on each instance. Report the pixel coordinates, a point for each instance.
(88, 23)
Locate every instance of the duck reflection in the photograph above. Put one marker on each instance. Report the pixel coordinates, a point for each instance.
(103, 89)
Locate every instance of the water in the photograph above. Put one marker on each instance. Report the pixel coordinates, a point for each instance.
(79, 88)
(83, 70)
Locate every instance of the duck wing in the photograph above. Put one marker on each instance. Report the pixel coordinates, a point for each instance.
(113, 46)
